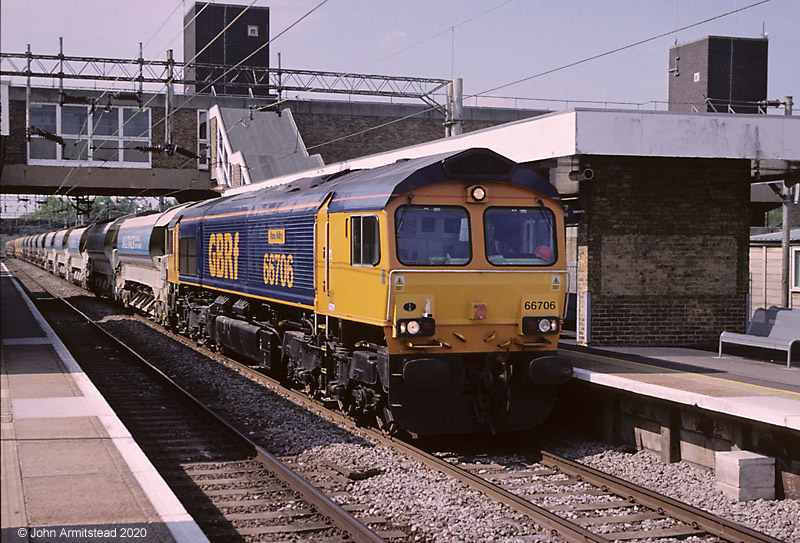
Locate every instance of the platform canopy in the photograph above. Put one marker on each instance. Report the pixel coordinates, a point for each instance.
(770, 142)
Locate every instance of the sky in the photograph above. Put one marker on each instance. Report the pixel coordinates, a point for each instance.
(490, 44)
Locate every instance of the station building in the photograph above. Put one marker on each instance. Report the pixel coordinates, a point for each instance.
(661, 200)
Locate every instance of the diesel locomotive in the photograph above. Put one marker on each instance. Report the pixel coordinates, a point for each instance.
(426, 295)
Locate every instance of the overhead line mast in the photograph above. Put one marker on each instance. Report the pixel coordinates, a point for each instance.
(81, 68)
(167, 73)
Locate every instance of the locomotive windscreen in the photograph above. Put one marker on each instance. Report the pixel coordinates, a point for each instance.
(519, 236)
(433, 235)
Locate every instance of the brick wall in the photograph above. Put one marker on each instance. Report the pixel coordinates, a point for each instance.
(331, 135)
(326, 132)
(663, 249)
(16, 146)
(684, 90)
(236, 175)
(184, 126)
(212, 146)
(706, 70)
(341, 131)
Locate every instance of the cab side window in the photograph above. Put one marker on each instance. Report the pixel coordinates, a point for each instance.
(187, 256)
(365, 248)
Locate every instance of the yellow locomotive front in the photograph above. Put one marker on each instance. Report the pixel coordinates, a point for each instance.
(467, 280)
(475, 299)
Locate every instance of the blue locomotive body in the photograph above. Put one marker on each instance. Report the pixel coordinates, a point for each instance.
(254, 245)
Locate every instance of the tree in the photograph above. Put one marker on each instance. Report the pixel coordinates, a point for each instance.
(61, 209)
(56, 209)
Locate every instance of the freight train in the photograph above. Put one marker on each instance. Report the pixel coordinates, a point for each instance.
(426, 295)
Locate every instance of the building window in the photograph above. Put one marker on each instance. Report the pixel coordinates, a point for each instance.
(106, 136)
(252, 31)
(365, 242)
(203, 139)
(795, 269)
(43, 117)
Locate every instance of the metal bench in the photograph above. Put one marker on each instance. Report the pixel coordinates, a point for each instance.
(774, 328)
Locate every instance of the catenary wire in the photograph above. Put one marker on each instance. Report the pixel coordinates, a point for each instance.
(238, 64)
(618, 49)
(437, 34)
(142, 108)
(566, 66)
(563, 67)
(547, 72)
(86, 144)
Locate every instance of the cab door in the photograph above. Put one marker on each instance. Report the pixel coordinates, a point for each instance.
(172, 254)
(322, 260)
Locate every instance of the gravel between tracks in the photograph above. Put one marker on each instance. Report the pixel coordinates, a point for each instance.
(434, 507)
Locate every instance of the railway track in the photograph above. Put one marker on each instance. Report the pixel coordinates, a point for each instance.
(573, 502)
(569, 501)
(584, 504)
(233, 488)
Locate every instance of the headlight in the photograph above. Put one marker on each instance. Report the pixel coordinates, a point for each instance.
(540, 325)
(476, 194)
(423, 326)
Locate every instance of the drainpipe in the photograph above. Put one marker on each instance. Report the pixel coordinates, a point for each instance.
(787, 210)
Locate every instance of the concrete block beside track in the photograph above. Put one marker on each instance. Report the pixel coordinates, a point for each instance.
(745, 475)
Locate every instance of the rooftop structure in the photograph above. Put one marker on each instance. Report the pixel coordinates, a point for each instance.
(718, 74)
(219, 36)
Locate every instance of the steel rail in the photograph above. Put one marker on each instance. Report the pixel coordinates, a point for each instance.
(339, 517)
(634, 494)
(573, 533)
(683, 512)
(545, 518)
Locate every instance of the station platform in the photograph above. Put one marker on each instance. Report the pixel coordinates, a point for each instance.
(71, 471)
(756, 390)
